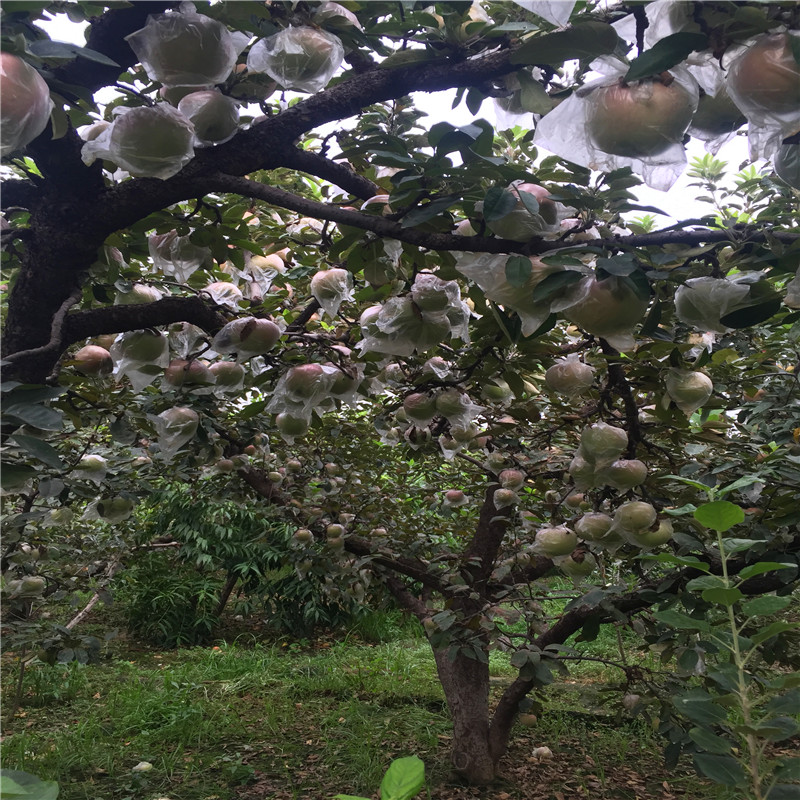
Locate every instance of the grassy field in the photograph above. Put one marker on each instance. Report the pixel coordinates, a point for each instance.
(242, 719)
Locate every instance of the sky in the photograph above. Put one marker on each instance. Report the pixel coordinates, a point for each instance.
(678, 203)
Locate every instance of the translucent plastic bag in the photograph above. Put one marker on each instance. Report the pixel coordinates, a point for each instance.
(488, 271)
(607, 125)
(147, 142)
(176, 256)
(302, 390)
(787, 164)
(225, 293)
(702, 302)
(26, 103)
(141, 356)
(175, 427)
(336, 16)
(214, 115)
(185, 48)
(763, 79)
(332, 287)
(557, 12)
(299, 58)
(247, 337)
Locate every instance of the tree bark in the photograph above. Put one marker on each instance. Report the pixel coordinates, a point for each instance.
(466, 688)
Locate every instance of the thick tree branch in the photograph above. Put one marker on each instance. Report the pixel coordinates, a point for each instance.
(118, 319)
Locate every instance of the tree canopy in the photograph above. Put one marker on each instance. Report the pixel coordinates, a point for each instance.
(454, 359)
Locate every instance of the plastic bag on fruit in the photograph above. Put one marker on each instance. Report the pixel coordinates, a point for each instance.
(300, 58)
(787, 164)
(214, 115)
(248, 336)
(607, 125)
(346, 383)
(176, 256)
(336, 16)
(555, 11)
(140, 356)
(185, 48)
(26, 103)
(175, 427)
(225, 293)
(609, 308)
(147, 142)
(332, 287)
(792, 298)
(111, 510)
(488, 271)
(302, 390)
(702, 302)
(186, 339)
(763, 80)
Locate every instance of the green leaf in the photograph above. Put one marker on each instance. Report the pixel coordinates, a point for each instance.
(699, 707)
(709, 741)
(554, 284)
(533, 96)
(784, 791)
(664, 54)
(706, 582)
(498, 203)
(41, 417)
(777, 729)
(45, 48)
(681, 621)
(765, 606)
(752, 315)
(775, 629)
(40, 450)
(762, 567)
(350, 797)
(428, 211)
(788, 703)
(720, 769)
(16, 783)
(719, 515)
(723, 597)
(404, 779)
(13, 476)
(584, 41)
(789, 770)
(621, 264)
(518, 270)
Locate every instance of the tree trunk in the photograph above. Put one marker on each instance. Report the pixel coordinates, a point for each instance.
(466, 687)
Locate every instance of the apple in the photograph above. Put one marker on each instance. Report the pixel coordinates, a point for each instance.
(304, 380)
(147, 141)
(648, 537)
(214, 115)
(555, 541)
(639, 120)
(184, 49)
(181, 372)
(623, 474)
(716, 115)
(145, 347)
(139, 293)
(593, 526)
(224, 293)
(419, 408)
(766, 77)
(689, 389)
(303, 536)
(289, 425)
(578, 565)
(511, 479)
(227, 374)
(610, 308)
(298, 57)
(26, 106)
(503, 498)
(602, 442)
(634, 516)
(247, 336)
(521, 224)
(569, 376)
(93, 360)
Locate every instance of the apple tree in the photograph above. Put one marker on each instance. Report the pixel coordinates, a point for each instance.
(458, 359)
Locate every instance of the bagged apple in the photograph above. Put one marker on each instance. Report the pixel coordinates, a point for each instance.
(175, 427)
(332, 287)
(534, 214)
(185, 48)
(690, 390)
(248, 336)
(148, 142)
(140, 356)
(611, 123)
(299, 58)
(214, 115)
(26, 106)
(176, 256)
(570, 376)
(702, 302)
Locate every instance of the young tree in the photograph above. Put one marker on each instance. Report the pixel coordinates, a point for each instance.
(454, 360)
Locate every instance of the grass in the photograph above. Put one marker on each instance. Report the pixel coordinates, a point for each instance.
(299, 720)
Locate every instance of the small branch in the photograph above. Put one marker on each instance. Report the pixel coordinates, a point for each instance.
(56, 332)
